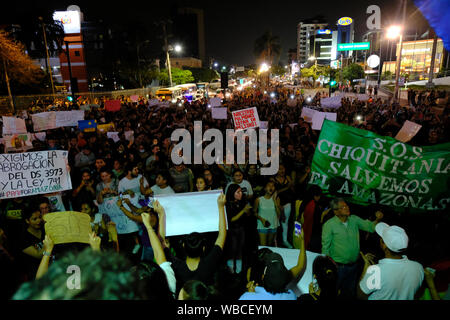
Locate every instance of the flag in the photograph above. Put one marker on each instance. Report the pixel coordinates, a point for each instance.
(87, 125)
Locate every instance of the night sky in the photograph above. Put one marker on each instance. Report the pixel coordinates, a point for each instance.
(232, 26)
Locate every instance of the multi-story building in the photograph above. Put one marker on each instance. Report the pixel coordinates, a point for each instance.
(324, 46)
(345, 34)
(306, 29)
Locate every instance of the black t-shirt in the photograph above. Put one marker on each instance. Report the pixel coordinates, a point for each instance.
(205, 271)
(28, 263)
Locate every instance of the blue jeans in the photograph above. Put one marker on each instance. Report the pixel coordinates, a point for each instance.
(347, 279)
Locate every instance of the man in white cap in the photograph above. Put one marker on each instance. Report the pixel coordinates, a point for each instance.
(394, 277)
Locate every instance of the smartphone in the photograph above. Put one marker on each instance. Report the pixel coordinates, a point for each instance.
(298, 228)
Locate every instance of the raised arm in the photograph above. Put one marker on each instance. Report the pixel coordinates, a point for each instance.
(160, 257)
(129, 214)
(162, 218)
(299, 269)
(43, 266)
(222, 222)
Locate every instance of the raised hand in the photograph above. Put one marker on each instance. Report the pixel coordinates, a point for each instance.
(48, 243)
(221, 200)
(94, 241)
(146, 220)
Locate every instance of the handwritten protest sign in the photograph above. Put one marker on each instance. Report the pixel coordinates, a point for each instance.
(245, 119)
(32, 173)
(40, 136)
(44, 121)
(185, 210)
(12, 125)
(123, 224)
(219, 113)
(368, 168)
(134, 98)
(129, 135)
(112, 105)
(153, 102)
(264, 124)
(68, 227)
(18, 142)
(68, 118)
(408, 131)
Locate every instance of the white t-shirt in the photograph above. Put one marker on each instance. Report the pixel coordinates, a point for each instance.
(399, 280)
(170, 275)
(133, 184)
(245, 186)
(158, 191)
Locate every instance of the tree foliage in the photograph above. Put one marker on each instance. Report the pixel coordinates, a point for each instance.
(179, 76)
(20, 69)
(267, 47)
(315, 71)
(278, 70)
(203, 74)
(352, 72)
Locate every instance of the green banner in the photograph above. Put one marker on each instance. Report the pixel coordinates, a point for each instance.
(353, 46)
(366, 168)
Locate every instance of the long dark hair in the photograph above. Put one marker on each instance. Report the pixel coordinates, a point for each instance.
(325, 271)
(154, 281)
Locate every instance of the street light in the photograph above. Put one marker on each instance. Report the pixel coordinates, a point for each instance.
(392, 33)
(169, 69)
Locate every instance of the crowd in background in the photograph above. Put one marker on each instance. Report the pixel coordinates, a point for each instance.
(261, 210)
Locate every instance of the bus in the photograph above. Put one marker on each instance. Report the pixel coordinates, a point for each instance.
(188, 90)
(169, 94)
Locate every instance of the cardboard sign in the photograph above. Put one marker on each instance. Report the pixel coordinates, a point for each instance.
(408, 131)
(12, 125)
(246, 119)
(185, 210)
(68, 227)
(219, 113)
(113, 105)
(32, 173)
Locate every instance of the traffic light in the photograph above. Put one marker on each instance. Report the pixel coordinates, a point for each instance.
(224, 80)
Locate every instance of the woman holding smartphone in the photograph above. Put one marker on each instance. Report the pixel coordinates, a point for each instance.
(267, 210)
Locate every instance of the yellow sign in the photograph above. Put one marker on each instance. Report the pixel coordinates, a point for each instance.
(106, 127)
(68, 227)
(345, 21)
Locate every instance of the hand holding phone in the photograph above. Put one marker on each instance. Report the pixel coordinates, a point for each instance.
(298, 229)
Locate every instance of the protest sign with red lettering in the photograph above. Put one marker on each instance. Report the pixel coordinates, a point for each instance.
(246, 119)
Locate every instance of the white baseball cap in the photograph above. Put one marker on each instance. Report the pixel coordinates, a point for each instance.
(394, 237)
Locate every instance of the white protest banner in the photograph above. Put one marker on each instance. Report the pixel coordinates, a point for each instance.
(308, 114)
(408, 131)
(113, 135)
(124, 225)
(190, 212)
(44, 121)
(246, 119)
(290, 258)
(18, 142)
(319, 117)
(12, 125)
(332, 102)
(215, 102)
(68, 118)
(219, 113)
(264, 124)
(32, 173)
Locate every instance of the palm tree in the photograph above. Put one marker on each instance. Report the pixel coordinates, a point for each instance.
(267, 47)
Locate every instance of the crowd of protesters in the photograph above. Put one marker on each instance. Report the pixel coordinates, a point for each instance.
(260, 210)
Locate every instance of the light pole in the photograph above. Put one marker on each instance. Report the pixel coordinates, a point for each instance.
(313, 58)
(49, 67)
(393, 32)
